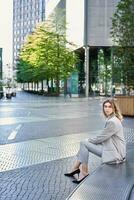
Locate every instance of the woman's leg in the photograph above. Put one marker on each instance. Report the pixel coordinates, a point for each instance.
(76, 165)
(83, 155)
(75, 169)
(84, 167)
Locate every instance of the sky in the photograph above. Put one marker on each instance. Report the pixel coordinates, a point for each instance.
(6, 30)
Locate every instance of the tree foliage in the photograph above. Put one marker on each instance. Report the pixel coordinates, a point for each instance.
(123, 38)
(45, 55)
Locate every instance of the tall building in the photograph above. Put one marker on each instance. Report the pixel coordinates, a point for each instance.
(88, 27)
(0, 63)
(26, 15)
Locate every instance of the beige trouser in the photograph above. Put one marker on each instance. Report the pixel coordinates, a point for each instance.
(85, 148)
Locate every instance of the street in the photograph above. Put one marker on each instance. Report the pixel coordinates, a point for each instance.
(29, 116)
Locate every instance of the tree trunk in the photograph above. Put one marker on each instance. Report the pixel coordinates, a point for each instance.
(65, 87)
(42, 86)
(52, 89)
(57, 87)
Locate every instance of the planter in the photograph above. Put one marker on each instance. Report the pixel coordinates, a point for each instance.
(8, 95)
(126, 104)
(13, 94)
(1, 94)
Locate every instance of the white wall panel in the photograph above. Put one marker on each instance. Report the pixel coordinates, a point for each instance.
(75, 21)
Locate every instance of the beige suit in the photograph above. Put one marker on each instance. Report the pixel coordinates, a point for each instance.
(110, 145)
(112, 140)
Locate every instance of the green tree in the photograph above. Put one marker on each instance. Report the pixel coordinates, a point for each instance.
(123, 38)
(46, 54)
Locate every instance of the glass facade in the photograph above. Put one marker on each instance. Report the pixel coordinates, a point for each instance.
(26, 15)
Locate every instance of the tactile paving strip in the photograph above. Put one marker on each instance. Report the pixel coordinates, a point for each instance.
(32, 152)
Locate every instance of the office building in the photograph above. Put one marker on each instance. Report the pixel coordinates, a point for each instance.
(88, 27)
(26, 15)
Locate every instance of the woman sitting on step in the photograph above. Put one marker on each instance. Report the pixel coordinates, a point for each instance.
(110, 145)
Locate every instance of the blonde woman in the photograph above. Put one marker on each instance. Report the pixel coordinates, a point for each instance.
(110, 145)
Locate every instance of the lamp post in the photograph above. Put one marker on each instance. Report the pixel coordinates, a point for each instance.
(1, 63)
(86, 70)
(86, 48)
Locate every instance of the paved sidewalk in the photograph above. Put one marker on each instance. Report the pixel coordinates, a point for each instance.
(46, 181)
(38, 182)
(37, 151)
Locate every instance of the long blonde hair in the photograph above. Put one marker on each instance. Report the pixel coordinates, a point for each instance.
(115, 108)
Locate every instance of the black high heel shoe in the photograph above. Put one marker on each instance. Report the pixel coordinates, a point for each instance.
(78, 181)
(77, 171)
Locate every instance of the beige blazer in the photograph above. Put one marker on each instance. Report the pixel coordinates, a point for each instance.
(112, 140)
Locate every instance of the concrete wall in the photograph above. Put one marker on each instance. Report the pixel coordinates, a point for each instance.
(99, 21)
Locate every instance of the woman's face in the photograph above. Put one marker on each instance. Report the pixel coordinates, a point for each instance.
(108, 109)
